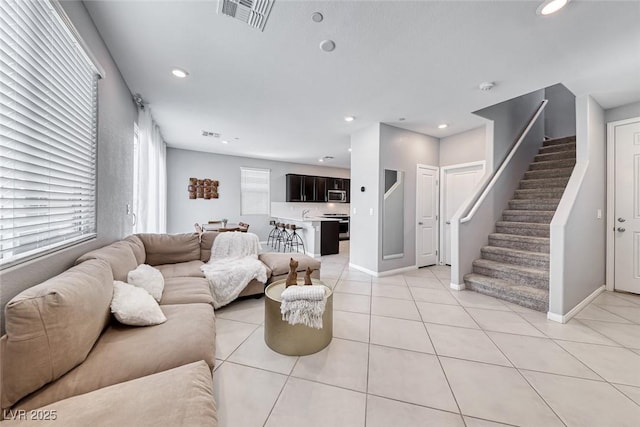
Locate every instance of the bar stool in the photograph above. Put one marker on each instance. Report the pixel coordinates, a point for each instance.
(294, 239)
(282, 236)
(273, 234)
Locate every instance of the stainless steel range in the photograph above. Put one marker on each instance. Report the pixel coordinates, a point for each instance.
(344, 224)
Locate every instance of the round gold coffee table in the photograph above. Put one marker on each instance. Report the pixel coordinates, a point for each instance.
(295, 340)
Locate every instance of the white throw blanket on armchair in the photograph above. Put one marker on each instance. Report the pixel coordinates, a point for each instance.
(233, 264)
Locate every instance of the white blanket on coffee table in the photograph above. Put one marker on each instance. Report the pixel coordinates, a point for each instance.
(233, 264)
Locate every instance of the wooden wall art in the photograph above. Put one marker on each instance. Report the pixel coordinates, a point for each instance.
(203, 188)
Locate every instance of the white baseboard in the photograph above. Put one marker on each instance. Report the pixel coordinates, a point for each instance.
(455, 287)
(575, 310)
(383, 273)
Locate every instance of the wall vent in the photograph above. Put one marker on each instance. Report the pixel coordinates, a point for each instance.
(209, 133)
(251, 12)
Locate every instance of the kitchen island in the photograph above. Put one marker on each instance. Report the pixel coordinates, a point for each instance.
(320, 235)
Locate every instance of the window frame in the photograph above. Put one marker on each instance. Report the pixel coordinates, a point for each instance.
(268, 190)
(71, 40)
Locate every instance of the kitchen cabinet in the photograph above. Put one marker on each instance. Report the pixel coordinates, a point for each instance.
(306, 188)
(347, 189)
(320, 191)
(329, 238)
(294, 188)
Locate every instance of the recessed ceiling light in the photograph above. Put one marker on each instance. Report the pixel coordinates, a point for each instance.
(349, 149)
(179, 73)
(224, 141)
(551, 6)
(317, 17)
(321, 160)
(327, 45)
(443, 126)
(349, 119)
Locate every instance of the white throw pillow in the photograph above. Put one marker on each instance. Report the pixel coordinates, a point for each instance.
(134, 306)
(148, 278)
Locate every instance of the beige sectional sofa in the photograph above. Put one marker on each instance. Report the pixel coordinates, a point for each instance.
(65, 354)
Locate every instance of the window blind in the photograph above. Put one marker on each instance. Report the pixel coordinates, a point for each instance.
(48, 130)
(254, 191)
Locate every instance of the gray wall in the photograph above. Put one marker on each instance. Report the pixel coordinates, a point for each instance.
(510, 118)
(403, 150)
(577, 266)
(183, 212)
(560, 112)
(365, 167)
(117, 114)
(624, 112)
(464, 147)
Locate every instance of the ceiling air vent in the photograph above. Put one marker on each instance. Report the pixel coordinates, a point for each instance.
(252, 12)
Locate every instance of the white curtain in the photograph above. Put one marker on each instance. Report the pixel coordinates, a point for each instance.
(151, 179)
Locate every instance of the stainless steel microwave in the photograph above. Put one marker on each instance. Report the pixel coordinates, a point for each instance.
(337, 196)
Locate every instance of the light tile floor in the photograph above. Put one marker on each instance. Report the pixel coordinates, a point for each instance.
(408, 351)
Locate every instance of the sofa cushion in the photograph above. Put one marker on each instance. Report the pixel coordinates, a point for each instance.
(181, 269)
(52, 327)
(186, 290)
(119, 255)
(170, 248)
(124, 353)
(279, 262)
(148, 278)
(135, 306)
(138, 248)
(181, 396)
(206, 243)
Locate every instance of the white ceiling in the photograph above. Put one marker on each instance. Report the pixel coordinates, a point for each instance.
(285, 99)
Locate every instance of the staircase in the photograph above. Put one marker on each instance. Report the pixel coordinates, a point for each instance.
(515, 265)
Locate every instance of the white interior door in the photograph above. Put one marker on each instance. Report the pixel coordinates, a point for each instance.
(458, 183)
(627, 208)
(426, 216)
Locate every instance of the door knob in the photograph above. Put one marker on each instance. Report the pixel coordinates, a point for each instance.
(620, 229)
(448, 222)
(621, 220)
(420, 223)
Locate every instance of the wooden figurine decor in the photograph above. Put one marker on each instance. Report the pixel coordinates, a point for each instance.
(307, 277)
(203, 188)
(292, 277)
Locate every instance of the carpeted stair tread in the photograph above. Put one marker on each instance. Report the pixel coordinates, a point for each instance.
(516, 274)
(567, 146)
(569, 154)
(516, 256)
(539, 193)
(533, 298)
(552, 164)
(525, 243)
(543, 183)
(532, 229)
(528, 216)
(557, 141)
(534, 204)
(514, 266)
(548, 173)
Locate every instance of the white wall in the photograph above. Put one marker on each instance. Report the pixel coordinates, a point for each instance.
(402, 150)
(365, 167)
(560, 113)
(464, 147)
(624, 112)
(183, 212)
(116, 115)
(577, 266)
